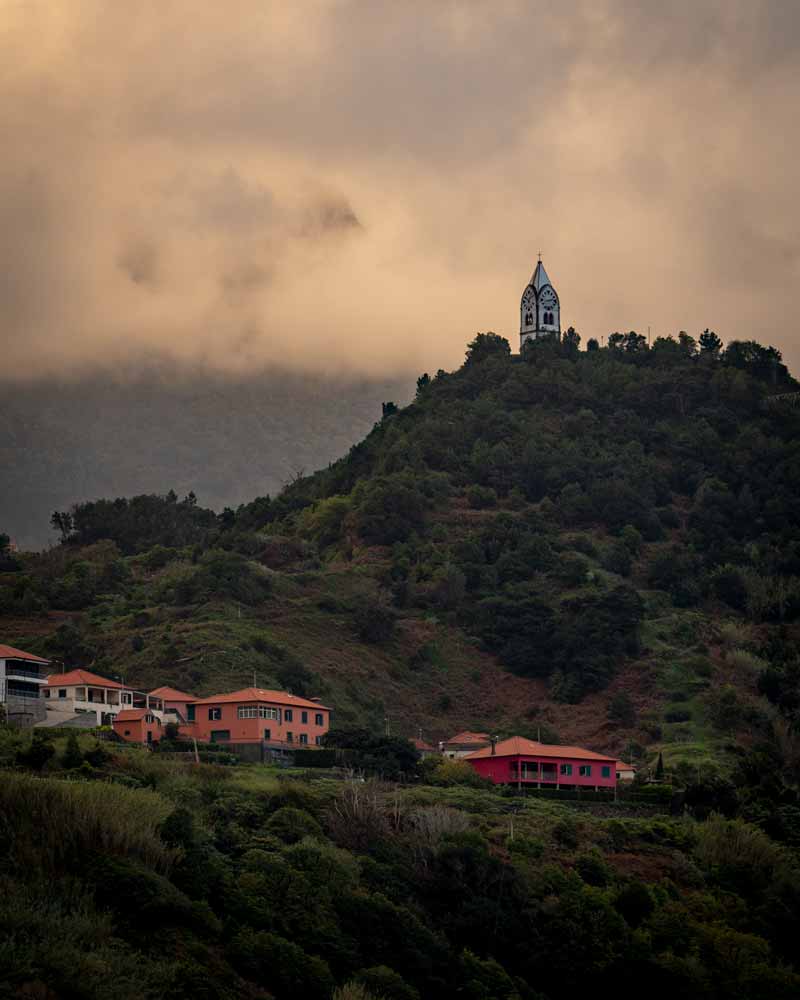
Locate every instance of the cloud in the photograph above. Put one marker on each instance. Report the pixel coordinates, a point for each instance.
(361, 186)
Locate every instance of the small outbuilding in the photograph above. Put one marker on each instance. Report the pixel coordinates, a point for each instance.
(137, 725)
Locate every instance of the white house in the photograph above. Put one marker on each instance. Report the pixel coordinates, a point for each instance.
(22, 677)
(79, 692)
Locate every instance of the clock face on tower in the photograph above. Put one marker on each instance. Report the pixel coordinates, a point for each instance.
(527, 298)
(548, 298)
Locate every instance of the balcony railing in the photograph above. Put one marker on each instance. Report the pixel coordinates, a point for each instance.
(13, 671)
(14, 693)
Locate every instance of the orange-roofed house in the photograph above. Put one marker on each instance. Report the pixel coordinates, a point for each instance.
(175, 703)
(625, 772)
(518, 761)
(464, 743)
(22, 677)
(79, 692)
(424, 749)
(256, 715)
(137, 725)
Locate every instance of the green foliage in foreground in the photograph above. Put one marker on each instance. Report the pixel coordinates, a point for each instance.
(157, 879)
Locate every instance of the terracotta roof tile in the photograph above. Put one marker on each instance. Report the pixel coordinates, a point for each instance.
(467, 737)
(131, 715)
(73, 677)
(172, 694)
(517, 746)
(11, 653)
(261, 694)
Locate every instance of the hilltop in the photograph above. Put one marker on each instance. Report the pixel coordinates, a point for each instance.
(600, 546)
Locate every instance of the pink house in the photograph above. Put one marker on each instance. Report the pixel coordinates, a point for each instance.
(517, 761)
(175, 702)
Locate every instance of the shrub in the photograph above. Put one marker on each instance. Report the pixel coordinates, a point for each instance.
(72, 756)
(621, 710)
(481, 497)
(677, 715)
(374, 621)
(292, 825)
(729, 585)
(383, 982)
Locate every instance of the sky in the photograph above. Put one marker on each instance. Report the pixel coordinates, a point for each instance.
(360, 187)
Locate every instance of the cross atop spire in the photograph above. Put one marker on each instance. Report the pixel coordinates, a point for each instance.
(540, 279)
(540, 255)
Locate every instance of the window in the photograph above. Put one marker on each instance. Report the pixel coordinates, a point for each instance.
(605, 771)
(149, 718)
(318, 719)
(303, 738)
(190, 713)
(47, 692)
(247, 712)
(127, 732)
(265, 712)
(288, 715)
(304, 718)
(585, 770)
(318, 740)
(62, 692)
(289, 737)
(220, 735)
(267, 734)
(214, 714)
(566, 769)
(126, 698)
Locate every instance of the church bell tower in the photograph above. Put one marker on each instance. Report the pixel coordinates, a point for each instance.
(540, 310)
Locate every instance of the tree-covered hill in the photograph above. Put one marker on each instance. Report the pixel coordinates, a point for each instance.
(600, 545)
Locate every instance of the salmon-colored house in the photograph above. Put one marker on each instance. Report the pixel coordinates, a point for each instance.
(137, 725)
(174, 701)
(255, 715)
(518, 761)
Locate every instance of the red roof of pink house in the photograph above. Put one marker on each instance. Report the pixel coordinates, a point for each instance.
(10, 653)
(260, 694)
(467, 738)
(172, 694)
(518, 746)
(73, 677)
(133, 715)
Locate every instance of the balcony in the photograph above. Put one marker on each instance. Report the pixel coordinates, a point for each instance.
(24, 674)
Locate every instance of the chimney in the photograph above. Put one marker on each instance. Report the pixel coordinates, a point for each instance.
(493, 741)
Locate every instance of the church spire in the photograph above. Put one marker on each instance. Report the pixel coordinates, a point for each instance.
(540, 279)
(540, 309)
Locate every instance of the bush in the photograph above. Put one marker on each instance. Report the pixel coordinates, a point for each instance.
(481, 497)
(677, 715)
(292, 825)
(383, 982)
(72, 756)
(621, 710)
(374, 621)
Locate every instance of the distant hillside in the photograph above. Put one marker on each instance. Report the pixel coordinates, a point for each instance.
(600, 546)
(116, 434)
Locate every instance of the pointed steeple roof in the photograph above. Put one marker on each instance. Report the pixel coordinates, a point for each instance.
(540, 279)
